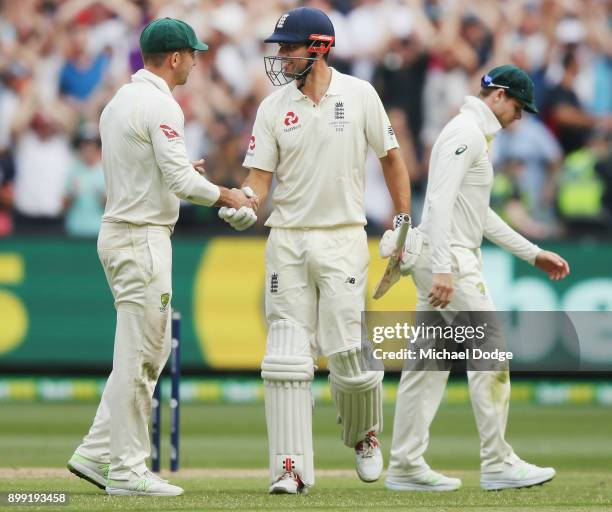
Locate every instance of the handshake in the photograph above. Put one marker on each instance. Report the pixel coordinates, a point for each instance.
(241, 207)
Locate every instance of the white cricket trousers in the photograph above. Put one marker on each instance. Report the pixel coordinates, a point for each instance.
(137, 261)
(420, 392)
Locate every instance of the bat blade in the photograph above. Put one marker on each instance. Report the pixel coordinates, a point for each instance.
(392, 272)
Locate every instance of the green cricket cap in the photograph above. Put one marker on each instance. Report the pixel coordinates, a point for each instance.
(168, 34)
(515, 82)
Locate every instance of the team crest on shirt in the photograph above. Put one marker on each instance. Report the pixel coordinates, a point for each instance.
(274, 283)
(291, 122)
(165, 298)
(338, 121)
(481, 288)
(169, 132)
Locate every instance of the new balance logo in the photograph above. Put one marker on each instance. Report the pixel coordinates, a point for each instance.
(274, 283)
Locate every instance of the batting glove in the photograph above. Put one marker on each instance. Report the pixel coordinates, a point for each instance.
(240, 219)
(389, 238)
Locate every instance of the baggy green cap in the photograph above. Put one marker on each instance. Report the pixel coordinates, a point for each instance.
(168, 34)
(515, 82)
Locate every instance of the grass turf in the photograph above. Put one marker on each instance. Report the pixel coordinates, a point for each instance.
(577, 440)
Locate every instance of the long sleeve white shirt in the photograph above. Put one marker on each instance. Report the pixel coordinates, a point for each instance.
(457, 211)
(146, 168)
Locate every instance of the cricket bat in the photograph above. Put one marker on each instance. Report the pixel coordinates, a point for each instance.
(392, 272)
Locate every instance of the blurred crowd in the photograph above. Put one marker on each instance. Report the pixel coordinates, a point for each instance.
(61, 61)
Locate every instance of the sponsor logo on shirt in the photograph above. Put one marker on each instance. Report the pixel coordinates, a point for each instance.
(291, 121)
(251, 146)
(169, 132)
(274, 283)
(291, 118)
(460, 149)
(350, 280)
(390, 131)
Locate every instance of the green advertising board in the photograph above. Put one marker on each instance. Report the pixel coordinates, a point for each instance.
(56, 310)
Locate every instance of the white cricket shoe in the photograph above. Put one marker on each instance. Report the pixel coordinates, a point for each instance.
(94, 472)
(516, 475)
(368, 458)
(429, 481)
(288, 483)
(148, 484)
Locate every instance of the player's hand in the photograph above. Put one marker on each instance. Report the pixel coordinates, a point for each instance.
(240, 219)
(198, 166)
(244, 217)
(441, 290)
(237, 198)
(553, 264)
(388, 241)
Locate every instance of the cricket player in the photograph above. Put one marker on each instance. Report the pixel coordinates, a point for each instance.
(313, 135)
(448, 274)
(146, 171)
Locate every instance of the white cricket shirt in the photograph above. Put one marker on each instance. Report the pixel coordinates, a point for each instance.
(456, 211)
(146, 168)
(318, 152)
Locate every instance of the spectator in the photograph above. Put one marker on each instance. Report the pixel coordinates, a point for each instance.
(562, 110)
(582, 188)
(400, 78)
(85, 198)
(529, 145)
(602, 147)
(14, 77)
(42, 158)
(446, 86)
(82, 72)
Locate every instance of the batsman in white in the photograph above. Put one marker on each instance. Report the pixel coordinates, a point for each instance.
(313, 135)
(448, 274)
(146, 171)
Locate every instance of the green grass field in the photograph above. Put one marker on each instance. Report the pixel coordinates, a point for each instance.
(224, 452)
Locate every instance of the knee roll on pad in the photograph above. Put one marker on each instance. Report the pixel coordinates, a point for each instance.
(287, 357)
(357, 394)
(288, 369)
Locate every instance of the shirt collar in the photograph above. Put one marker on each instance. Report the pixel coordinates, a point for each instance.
(332, 90)
(143, 75)
(484, 116)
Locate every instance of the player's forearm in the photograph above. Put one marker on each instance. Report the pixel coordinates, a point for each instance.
(439, 236)
(192, 187)
(502, 235)
(397, 180)
(260, 182)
